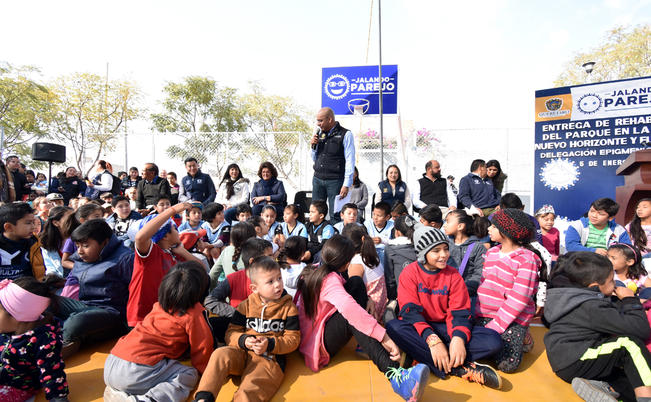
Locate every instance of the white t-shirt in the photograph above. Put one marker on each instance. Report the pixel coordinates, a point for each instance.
(370, 273)
(290, 277)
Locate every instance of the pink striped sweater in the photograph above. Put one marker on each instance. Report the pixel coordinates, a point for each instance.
(508, 285)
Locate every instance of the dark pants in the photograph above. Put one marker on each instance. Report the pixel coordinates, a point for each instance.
(623, 362)
(327, 190)
(338, 331)
(230, 215)
(86, 323)
(483, 343)
(219, 326)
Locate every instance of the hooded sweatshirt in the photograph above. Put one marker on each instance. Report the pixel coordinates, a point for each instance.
(472, 273)
(582, 318)
(398, 254)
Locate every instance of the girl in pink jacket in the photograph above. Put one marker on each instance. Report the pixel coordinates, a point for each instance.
(332, 310)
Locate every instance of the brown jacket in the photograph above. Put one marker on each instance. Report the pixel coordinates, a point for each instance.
(277, 320)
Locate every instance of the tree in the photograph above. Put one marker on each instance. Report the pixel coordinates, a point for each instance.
(89, 111)
(195, 106)
(625, 53)
(275, 125)
(24, 106)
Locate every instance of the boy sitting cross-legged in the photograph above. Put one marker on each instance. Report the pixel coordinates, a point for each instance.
(263, 329)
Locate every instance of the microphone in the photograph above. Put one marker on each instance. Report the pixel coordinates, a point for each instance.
(317, 133)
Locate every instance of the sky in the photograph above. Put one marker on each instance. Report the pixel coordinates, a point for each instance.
(471, 64)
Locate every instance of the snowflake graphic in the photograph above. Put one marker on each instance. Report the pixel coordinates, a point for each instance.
(559, 174)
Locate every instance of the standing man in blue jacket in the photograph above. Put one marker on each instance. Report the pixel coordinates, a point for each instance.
(196, 186)
(333, 153)
(476, 189)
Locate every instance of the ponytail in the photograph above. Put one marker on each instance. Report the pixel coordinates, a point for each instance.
(466, 219)
(295, 247)
(362, 243)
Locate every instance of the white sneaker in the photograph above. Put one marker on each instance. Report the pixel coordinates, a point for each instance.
(113, 395)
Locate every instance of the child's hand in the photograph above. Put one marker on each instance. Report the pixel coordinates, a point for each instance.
(260, 347)
(306, 256)
(377, 240)
(391, 347)
(182, 206)
(622, 292)
(601, 251)
(250, 342)
(457, 352)
(370, 307)
(440, 357)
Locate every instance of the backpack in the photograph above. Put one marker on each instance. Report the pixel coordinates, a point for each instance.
(116, 188)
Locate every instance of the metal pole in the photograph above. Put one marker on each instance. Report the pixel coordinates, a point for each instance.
(126, 152)
(2, 141)
(379, 24)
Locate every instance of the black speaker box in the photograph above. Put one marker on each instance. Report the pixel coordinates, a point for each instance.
(45, 151)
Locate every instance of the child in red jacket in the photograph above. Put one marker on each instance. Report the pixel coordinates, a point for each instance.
(143, 362)
(434, 322)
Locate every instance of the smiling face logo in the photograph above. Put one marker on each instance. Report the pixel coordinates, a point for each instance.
(336, 86)
(589, 103)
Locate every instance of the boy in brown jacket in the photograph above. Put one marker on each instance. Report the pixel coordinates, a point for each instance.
(263, 329)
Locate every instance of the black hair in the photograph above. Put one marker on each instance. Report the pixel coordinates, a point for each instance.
(636, 270)
(87, 210)
(262, 264)
(119, 198)
(386, 173)
(173, 174)
(230, 191)
(296, 210)
(252, 248)
(582, 268)
(356, 181)
(476, 164)
(511, 200)
(45, 288)
(399, 208)
(96, 229)
(211, 210)
(131, 169)
(406, 225)
(11, 157)
(495, 163)
(163, 197)
(638, 236)
(153, 168)
(122, 172)
(243, 208)
(107, 194)
(51, 237)
(190, 159)
(185, 285)
(337, 251)
(432, 213)
(267, 207)
(31, 172)
(349, 205)
(321, 207)
(295, 247)
(363, 244)
(384, 207)
(466, 219)
(256, 221)
(240, 233)
(481, 225)
(13, 212)
(607, 205)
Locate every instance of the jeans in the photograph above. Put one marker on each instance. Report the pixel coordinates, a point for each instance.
(230, 215)
(327, 190)
(83, 322)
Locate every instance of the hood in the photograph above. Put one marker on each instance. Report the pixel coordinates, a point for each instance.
(108, 250)
(561, 301)
(404, 250)
(242, 180)
(470, 240)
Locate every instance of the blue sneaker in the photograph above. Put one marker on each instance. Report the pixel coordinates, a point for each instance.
(408, 383)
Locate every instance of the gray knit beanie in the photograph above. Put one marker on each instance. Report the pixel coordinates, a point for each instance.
(425, 239)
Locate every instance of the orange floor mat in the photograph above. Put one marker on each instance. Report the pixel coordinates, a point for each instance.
(348, 377)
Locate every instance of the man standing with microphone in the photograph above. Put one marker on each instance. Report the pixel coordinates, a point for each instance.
(333, 153)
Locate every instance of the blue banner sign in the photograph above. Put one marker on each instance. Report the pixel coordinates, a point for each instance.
(345, 89)
(583, 134)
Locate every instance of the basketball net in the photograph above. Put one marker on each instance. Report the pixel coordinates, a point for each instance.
(358, 110)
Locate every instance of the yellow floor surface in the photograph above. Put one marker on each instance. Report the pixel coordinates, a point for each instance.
(348, 377)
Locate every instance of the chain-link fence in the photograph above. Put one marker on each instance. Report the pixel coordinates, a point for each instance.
(290, 153)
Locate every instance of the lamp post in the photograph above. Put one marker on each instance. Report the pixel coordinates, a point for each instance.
(588, 67)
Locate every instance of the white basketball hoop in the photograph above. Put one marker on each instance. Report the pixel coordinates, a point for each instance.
(358, 106)
(358, 110)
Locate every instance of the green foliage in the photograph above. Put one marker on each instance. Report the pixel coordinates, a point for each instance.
(625, 53)
(89, 111)
(24, 107)
(198, 104)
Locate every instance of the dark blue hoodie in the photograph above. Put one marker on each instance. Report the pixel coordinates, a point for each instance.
(105, 282)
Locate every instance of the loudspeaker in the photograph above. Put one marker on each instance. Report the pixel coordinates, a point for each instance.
(45, 151)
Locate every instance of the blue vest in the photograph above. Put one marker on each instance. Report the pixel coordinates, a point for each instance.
(388, 196)
(330, 158)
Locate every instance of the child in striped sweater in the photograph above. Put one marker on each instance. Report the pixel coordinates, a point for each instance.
(509, 282)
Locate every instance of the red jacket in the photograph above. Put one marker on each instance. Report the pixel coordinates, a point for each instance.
(162, 335)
